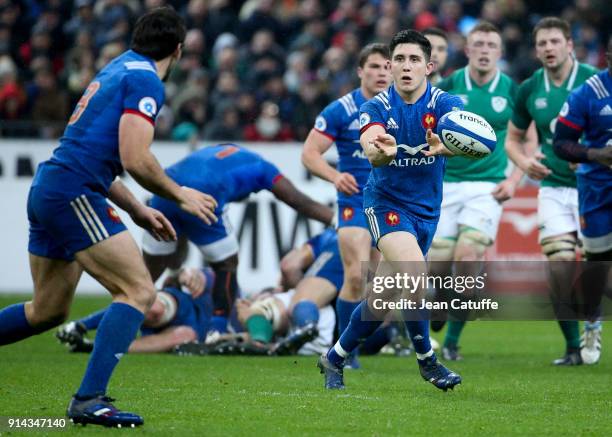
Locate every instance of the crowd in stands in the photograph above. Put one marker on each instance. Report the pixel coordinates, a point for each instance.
(255, 70)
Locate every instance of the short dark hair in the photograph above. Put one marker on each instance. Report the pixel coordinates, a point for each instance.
(411, 36)
(486, 27)
(371, 49)
(157, 33)
(435, 31)
(553, 23)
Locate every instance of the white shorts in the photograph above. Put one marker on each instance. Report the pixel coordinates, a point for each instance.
(326, 327)
(213, 252)
(557, 211)
(469, 204)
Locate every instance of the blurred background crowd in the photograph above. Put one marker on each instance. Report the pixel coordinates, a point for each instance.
(255, 70)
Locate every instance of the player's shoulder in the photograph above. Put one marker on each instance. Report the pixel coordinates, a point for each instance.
(137, 68)
(440, 100)
(533, 82)
(345, 106)
(380, 101)
(594, 87)
(586, 70)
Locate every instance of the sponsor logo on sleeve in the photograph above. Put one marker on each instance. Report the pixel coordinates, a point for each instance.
(148, 106)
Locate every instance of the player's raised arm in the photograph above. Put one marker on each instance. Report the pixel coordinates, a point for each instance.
(286, 192)
(312, 157)
(135, 137)
(293, 265)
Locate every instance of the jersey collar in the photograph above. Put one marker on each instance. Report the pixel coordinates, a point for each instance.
(144, 58)
(468, 80)
(570, 81)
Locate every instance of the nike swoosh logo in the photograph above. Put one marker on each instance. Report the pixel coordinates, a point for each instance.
(412, 150)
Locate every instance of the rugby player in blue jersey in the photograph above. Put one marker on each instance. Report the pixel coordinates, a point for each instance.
(74, 229)
(402, 197)
(588, 114)
(180, 313)
(339, 123)
(232, 173)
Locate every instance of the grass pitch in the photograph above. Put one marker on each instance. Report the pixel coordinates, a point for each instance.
(509, 388)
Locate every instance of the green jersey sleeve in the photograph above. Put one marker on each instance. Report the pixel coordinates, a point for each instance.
(521, 117)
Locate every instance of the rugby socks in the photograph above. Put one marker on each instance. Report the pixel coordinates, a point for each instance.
(571, 332)
(344, 309)
(453, 332)
(305, 312)
(418, 331)
(93, 320)
(259, 328)
(116, 331)
(362, 324)
(375, 342)
(14, 325)
(223, 295)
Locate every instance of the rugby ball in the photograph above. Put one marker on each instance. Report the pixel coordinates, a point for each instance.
(467, 134)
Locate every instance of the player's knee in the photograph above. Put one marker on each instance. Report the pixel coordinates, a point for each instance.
(47, 318)
(142, 295)
(184, 334)
(442, 249)
(471, 245)
(560, 248)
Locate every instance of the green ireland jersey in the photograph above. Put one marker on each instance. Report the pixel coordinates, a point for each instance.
(539, 99)
(495, 102)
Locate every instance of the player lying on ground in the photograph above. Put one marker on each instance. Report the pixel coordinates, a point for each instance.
(74, 229)
(232, 173)
(588, 114)
(180, 313)
(402, 197)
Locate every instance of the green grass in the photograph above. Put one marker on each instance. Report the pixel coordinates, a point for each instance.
(509, 388)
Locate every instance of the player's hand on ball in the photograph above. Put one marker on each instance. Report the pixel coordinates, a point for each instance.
(155, 222)
(193, 280)
(534, 168)
(436, 147)
(200, 204)
(346, 184)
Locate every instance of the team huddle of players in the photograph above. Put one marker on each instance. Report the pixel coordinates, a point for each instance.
(391, 206)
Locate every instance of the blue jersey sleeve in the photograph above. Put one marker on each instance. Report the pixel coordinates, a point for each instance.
(575, 110)
(268, 175)
(330, 121)
(447, 103)
(143, 94)
(371, 113)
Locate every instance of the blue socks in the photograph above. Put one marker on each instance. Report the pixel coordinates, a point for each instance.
(375, 342)
(344, 309)
(357, 331)
(305, 312)
(218, 323)
(93, 320)
(116, 331)
(13, 324)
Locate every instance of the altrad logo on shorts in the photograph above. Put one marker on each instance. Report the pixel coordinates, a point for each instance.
(113, 215)
(347, 213)
(392, 218)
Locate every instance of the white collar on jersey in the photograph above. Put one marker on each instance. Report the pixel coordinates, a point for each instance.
(468, 80)
(570, 82)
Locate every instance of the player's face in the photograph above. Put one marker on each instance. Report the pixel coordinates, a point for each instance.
(552, 48)
(409, 68)
(483, 51)
(375, 74)
(439, 51)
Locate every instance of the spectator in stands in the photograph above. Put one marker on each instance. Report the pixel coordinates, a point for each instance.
(225, 126)
(49, 104)
(268, 126)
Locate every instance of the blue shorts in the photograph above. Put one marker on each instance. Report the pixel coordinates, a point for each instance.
(328, 265)
(350, 212)
(191, 226)
(595, 207)
(384, 220)
(66, 216)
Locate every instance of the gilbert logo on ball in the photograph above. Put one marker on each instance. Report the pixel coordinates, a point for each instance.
(467, 134)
